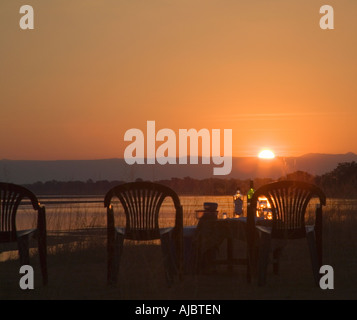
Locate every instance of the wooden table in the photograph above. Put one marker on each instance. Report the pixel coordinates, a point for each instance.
(209, 235)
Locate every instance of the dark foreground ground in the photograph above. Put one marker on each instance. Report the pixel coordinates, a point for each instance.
(77, 271)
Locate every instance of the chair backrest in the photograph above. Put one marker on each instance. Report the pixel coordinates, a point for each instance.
(11, 196)
(141, 202)
(289, 201)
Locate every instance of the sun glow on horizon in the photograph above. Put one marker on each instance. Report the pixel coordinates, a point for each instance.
(266, 154)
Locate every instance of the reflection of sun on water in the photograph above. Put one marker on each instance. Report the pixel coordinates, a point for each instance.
(266, 154)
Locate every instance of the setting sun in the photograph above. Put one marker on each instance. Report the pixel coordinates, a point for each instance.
(266, 154)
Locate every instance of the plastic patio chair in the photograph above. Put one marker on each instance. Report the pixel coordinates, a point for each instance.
(11, 196)
(142, 202)
(289, 201)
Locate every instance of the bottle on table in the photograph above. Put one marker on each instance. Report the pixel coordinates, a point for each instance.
(250, 192)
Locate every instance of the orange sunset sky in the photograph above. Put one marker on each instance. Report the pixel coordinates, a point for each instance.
(90, 70)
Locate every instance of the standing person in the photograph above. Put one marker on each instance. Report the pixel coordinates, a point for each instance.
(238, 204)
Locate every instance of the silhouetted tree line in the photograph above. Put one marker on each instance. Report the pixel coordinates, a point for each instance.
(339, 183)
(88, 187)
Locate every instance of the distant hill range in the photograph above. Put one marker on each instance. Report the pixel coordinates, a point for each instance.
(30, 171)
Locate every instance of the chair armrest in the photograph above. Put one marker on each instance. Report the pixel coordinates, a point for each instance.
(41, 218)
(24, 233)
(179, 218)
(263, 229)
(41, 225)
(120, 230)
(110, 228)
(110, 218)
(164, 231)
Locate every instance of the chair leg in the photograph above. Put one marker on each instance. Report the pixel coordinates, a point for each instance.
(249, 269)
(23, 247)
(311, 240)
(41, 234)
(42, 250)
(276, 259)
(252, 263)
(264, 250)
(178, 257)
(115, 250)
(168, 259)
